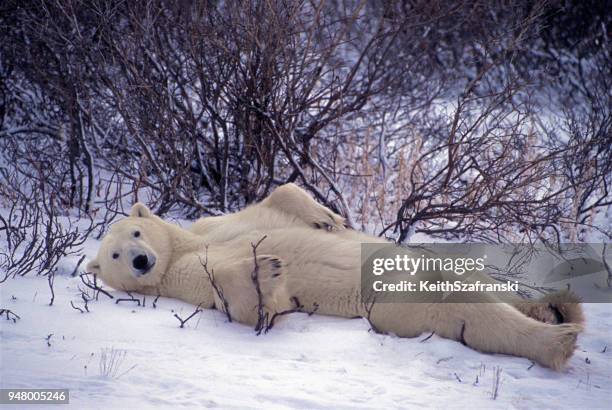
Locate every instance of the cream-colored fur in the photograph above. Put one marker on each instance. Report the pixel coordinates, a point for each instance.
(317, 268)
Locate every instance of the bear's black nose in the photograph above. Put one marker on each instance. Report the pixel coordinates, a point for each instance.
(141, 262)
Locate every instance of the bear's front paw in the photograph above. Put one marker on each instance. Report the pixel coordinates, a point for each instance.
(269, 273)
(270, 297)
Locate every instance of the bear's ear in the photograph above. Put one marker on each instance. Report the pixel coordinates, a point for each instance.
(140, 210)
(93, 267)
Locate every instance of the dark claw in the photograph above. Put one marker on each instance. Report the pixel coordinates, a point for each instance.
(557, 313)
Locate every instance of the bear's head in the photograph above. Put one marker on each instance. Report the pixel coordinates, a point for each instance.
(135, 253)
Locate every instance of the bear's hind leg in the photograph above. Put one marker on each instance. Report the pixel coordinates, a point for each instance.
(500, 328)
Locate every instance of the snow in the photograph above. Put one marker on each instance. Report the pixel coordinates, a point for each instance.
(303, 362)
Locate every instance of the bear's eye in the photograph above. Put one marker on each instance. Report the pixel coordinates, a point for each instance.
(137, 234)
(115, 255)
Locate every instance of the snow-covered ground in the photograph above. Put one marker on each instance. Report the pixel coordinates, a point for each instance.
(304, 362)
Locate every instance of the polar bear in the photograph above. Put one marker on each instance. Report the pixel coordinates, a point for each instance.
(290, 253)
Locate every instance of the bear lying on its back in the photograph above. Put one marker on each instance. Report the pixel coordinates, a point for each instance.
(302, 255)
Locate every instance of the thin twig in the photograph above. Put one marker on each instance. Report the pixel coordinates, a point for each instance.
(262, 316)
(183, 321)
(216, 287)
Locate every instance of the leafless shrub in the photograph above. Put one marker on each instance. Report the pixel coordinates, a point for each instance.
(86, 298)
(263, 319)
(406, 117)
(606, 265)
(37, 238)
(236, 121)
(50, 281)
(78, 265)
(183, 321)
(90, 281)
(427, 337)
(131, 298)
(9, 315)
(111, 362)
(76, 307)
(497, 371)
(216, 287)
(155, 301)
(297, 308)
(368, 306)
